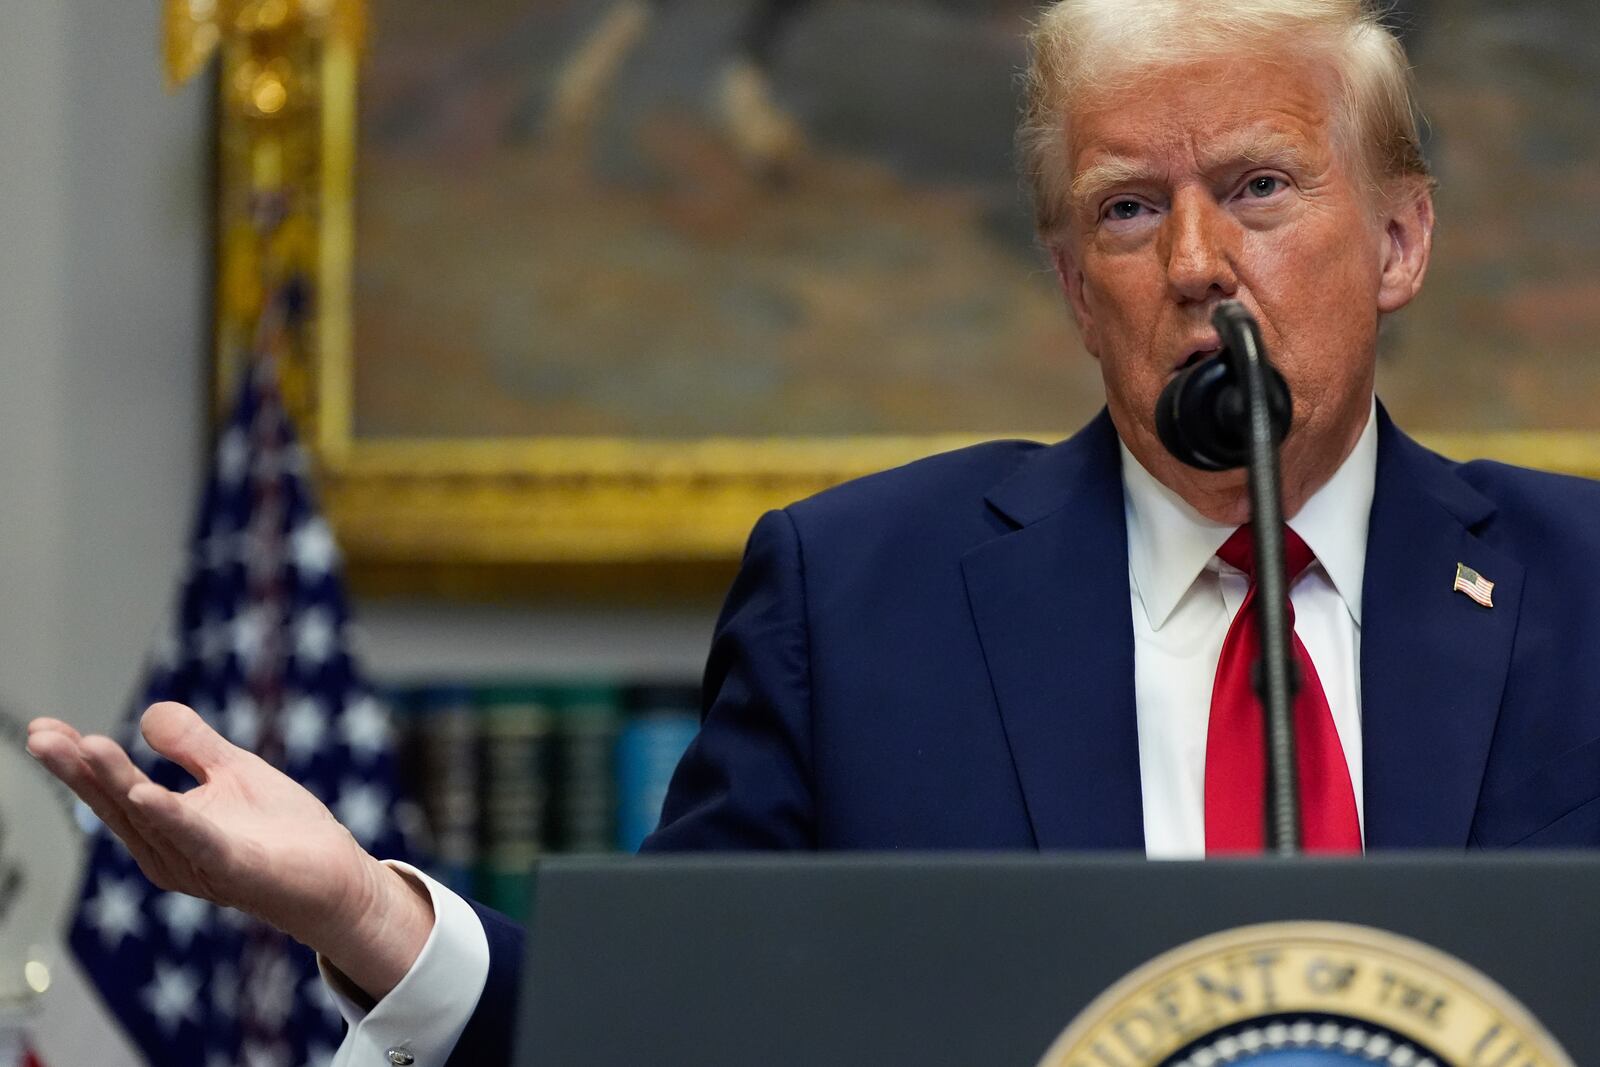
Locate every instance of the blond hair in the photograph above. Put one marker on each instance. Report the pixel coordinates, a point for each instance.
(1078, 44)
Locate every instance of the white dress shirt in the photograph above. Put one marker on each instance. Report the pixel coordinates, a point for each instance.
(422, 1018)
(1183, 600)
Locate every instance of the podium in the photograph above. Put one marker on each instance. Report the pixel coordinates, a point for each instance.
(977, 959)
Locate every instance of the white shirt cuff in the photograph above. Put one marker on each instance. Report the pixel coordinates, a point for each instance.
(424, 1015)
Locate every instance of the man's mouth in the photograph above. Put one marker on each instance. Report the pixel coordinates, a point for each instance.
(1195, 357)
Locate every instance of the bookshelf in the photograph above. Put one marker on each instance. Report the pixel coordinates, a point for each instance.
(507, 770)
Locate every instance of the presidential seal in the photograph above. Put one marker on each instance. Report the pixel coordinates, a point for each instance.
(1305, 995)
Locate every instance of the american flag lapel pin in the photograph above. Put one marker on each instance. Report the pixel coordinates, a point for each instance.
(1475, 585)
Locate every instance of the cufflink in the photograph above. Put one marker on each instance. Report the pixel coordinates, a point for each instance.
(400, 1057)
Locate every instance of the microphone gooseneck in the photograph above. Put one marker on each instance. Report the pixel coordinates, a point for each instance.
(1233, 410)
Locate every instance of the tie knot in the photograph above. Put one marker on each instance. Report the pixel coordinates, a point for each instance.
(1239, 551)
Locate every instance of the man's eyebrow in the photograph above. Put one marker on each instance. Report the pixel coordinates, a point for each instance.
(1089, 183)
(1256, 147)
(1253, 147)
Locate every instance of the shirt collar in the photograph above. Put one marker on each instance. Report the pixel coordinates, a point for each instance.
(1170, 543)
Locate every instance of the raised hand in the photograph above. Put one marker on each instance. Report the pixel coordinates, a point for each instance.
(246, 837)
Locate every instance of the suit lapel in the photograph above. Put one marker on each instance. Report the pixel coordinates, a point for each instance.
(1052, 608)
(1433, 662)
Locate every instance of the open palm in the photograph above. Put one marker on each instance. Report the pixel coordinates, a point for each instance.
(247, 836)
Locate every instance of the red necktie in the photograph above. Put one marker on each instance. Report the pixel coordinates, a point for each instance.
(1236, 738)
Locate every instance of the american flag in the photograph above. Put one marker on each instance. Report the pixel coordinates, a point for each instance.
(258, 648)
(1475, 585)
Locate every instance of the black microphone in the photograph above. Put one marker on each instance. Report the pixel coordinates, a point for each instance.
(1233, 410)
(1202, 416)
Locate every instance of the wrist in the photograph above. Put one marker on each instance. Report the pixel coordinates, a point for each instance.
(377, 945)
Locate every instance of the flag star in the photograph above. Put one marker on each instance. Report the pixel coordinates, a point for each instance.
(250, 629)
(242, 720)
(365, 728)
(304, 726)
(114, 911)
(362, 809)
(184, 917)
(313, 549)
(172, 996)
(314, 636)
(233, 456)
(270, 992)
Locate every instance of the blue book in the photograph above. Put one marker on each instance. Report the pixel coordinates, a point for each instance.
(663, 720)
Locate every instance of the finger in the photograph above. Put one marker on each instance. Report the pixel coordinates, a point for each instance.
(113, 775)
(118, 777)
(61, 757)
(111, 765)
(45, 725)
(181, 735)
(193, 841)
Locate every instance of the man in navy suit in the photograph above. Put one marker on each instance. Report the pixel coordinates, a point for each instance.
(1019, 646)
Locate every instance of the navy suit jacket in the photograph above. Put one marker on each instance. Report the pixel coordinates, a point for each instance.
(941, 657)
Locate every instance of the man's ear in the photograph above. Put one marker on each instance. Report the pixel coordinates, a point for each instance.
(1407, 246)
(1071, 279)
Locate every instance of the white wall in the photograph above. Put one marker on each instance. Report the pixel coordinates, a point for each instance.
(101, 318)
(104, 249)
(102, 301)
(102, 306)
(32, 269)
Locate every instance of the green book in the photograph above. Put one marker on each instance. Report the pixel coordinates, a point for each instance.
(585, 805)
(516, 759)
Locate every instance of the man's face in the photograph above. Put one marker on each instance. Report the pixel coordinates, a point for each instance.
(1220, 182)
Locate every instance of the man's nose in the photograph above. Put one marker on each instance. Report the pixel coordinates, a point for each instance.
(1200, 243)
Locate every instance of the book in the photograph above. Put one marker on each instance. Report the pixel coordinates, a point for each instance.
(440, 754)
(662, 721)
(588, 721)
(516, 769)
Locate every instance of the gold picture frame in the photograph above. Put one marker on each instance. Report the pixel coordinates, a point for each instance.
(412, 512)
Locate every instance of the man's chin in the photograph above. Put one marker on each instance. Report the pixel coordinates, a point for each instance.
(1221, 496)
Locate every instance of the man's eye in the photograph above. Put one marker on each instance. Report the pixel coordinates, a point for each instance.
(1123, 210)
(1263, 186)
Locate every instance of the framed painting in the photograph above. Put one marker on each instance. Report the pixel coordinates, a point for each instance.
(598, 281)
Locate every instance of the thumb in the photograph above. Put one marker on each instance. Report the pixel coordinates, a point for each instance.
(180, 734)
